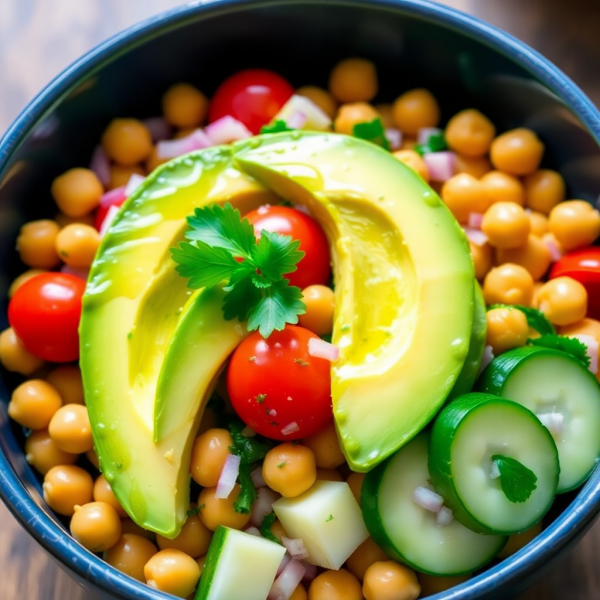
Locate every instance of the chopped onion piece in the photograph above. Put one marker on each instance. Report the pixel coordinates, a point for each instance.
(316, 119)
(100, 165)
(284, 561)
(311, 572)
(441, 165)
(108, 219)
(257, 477)
(253, 531)
(159, 128)
(297, 120)
(284, 586)
(321, 349)
(394, 137)
(486, 359)
(226, 130)
(552, 421)
(475, 220)
(477, 237)
(133, 184)
(263, 505)
(444, 517)
(229, 474)
(555, 252)
(173, 148)
(427, 499)
(592, 350)
(295, 547)
(425, 133)
(271, 412)
(301, 208)
(82, 273)
(291, 428)
(113, 196)
(494, 470)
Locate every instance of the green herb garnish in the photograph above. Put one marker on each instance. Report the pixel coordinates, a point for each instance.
(565, 344)
(256, 290)
(265, 528)
(516, 480)
(282, 464)
(275, 127)
(436, 142)
(535, 318)
(372, 131)
(192, 512)
(329, 518)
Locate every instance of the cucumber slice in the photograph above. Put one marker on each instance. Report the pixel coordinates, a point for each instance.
(465, 436)
(408, 532)
(557, 387)
(238, 566)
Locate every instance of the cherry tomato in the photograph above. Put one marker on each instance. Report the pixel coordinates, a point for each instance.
(45, 313)
(253, 96)
(315, 267)
(583, 265)
(277, 388)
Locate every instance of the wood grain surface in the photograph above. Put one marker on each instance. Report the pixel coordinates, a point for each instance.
(38, 38)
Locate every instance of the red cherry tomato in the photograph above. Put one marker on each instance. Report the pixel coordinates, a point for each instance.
(45, 313)
(315, 267)
(277, 388)
(583, 265)
(253, 96)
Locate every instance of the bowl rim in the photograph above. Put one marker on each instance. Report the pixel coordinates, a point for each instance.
(558, 536)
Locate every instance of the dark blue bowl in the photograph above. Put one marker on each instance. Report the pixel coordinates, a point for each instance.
(415, 43)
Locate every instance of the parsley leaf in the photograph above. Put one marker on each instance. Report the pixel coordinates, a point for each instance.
(243, 503)
(566, 344)
(436, 142)
(205, 266)
(516, 480)
(535, 318)
(265, 528)
(275, 127)
(276, 255)
(249, 449)
(372, 131)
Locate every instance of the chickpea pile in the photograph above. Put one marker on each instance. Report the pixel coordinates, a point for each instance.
(518, 221)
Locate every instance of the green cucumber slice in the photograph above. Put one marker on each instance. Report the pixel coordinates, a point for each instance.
(410, 533)
(552, 383)
(238, 566)
(465, 436)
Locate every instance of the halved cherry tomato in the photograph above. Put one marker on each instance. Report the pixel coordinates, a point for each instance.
(315, 267)
(45, 313)
(582, 265)
(277, 388)
(253, 96)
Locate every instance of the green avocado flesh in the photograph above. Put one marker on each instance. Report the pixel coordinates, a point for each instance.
(151, 350)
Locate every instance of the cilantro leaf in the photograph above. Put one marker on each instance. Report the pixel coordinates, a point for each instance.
(249, 449)
(242, 294)
(205, 266)
(265, 528)
(243, 503)
(566, 344)
(535, 318)
(281, 303)
(436, 142)
(516, 480)
(372, 131)
(275, 127)
(276, 255)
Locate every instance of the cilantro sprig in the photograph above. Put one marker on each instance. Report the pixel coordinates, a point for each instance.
(372, 131)
(276, 126)
(436, 142)
(223, 248)
(516, 480)
(535, 318)
(265, 528)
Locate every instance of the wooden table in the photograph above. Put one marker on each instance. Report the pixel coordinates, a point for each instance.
(38, 38)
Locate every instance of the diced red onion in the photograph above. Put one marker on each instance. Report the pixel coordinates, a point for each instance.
(591, 344)
(257, 478)
(552, 421)
(226, 130)
(427, 499)
(108, 219)
(476, 236)
(316, 119)
(272, 412)
(303, 209)
(112, 196)
(295, 547)
(296, 120)
(100, 165)
(229, 474)
(133, 184)
(425, 133)
(159, 128)
(444, 517)
(311, 572)
(253, 531)
(173, 148)
(77, 272)
(441, 165)
(394, 137)
(321, 349)
(290, 428)
(494, 470)
(284, 562)
(555, 252)
(475, 220)
(486, 359)
(284, 586)
(263, 505)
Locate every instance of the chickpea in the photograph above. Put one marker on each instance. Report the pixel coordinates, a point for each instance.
(325, 447)
(353, 80)
(470, 133)
(320, 304)
(463, 195)
(350, 115)
(201, 560)
(413, 160)
(289, 469)
(130, 527)
(127, 141)
(220, 511)
(173, 572)
(482, 259)
(563, 300)
(70, 429)
(193, 539)
(36, 244)
(96, 526)
(66, 379)
(209, 454)
(508, 284)
(120, 175)
(335, 585)
(544, 189)
(34, 403)
(517, 152)
(66, 486)
(14, 356)
(77, 192)
(538, 222)
(64, 220)
(322, 98)
(299, 593)
(23, 278)
(130, 554)
(364, 556)
(534, 256)
(184, 105)
(355, 481)
(102, 492)
(506, 329)
(432, 584)
(574, 224)
(77, 244)
(390, 581)
(518, 541)
(386, 112)
(477, 166)
(502, 187)
(506, 225)
(415, 110)
(42, 453)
